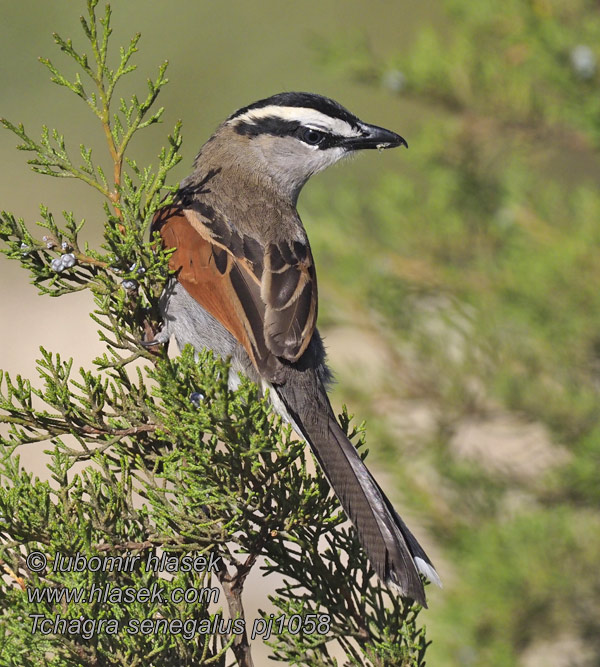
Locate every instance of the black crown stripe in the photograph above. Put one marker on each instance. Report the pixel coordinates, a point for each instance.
(324, 105)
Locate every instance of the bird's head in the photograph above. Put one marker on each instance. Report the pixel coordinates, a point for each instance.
(291, 136)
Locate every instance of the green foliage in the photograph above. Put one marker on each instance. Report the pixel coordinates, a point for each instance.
(523, 72)
(520, 68)
(516, 577)
(485, 284)
(176, 464)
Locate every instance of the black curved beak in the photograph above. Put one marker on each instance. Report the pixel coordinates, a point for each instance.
(373, 136)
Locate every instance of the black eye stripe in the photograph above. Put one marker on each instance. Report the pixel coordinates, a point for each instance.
(277, 127)
(280, 127)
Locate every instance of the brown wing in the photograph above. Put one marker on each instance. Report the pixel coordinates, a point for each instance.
(289, 290)
(267, 300)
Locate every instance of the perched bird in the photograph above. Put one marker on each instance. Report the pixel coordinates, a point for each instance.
(245, 287)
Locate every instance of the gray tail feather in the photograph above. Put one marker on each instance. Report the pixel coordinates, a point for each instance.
(394, 552)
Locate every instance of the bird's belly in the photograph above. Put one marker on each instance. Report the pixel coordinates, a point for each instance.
(191, 324)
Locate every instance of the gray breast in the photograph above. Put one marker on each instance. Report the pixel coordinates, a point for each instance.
(185, 319)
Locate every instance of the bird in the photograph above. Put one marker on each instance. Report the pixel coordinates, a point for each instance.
(244, 285)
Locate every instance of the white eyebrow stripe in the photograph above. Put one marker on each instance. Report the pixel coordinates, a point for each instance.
(304, 115)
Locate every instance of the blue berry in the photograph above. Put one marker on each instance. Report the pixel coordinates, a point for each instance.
(196, 397)
(57, 264)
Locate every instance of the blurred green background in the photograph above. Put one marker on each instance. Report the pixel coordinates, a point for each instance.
(458, 279)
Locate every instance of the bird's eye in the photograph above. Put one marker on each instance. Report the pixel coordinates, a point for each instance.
(310, 136)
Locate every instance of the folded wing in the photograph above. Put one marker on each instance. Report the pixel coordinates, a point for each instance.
(265, 297)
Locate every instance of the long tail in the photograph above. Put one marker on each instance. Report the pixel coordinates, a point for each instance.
(393, 550)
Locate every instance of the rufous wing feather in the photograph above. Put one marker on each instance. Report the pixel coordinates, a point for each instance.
(267, 299)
